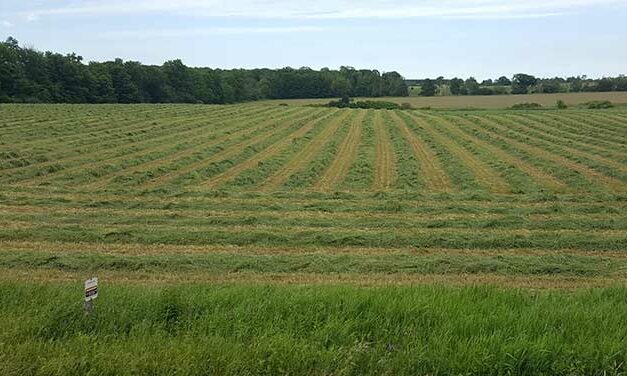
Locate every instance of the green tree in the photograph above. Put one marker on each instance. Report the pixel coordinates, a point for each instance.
(522, 83)
(428, 88)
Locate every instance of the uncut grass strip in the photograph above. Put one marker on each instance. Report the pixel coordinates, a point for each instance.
(135, 148)
(604, 166)
(484, 174)
(276, 148)
(304, 156)
(141, 278)
(385, 166)
(543, 178)
(345, 157)
(522, 141)
(222, 155)
(607, 155)
(360, 175)
(431, 169)
(174, 154)
(296, 236)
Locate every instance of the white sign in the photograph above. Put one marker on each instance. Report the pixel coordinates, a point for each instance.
(91, 289)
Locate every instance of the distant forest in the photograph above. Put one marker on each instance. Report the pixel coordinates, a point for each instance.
(31, 76)
(519, 84)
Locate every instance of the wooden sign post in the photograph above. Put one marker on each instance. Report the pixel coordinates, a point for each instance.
(91, 293)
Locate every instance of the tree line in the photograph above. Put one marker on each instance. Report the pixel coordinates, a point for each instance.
(519, 84)
(28, 75)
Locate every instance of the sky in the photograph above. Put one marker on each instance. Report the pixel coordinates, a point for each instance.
(421, 38)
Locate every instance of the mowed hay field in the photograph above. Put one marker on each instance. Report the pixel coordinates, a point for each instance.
(265, 239)
(486, 101)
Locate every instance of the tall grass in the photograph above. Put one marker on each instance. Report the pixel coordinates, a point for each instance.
(263, 329)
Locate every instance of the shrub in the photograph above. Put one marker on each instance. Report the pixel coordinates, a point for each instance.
(526, 106)
(561, 105)
(406, 106)
(596, 105)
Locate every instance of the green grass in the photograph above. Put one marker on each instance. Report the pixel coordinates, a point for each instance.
(266, 329)
(218, 255)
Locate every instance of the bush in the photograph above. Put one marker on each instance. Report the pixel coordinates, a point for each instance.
(377, 105)
(526, 106)
(406, 106)
(561, 105)
(597, 105)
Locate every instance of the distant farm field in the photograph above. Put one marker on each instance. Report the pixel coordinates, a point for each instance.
(273, 239)
(486, 101)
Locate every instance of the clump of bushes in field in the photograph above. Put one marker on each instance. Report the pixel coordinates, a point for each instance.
(526, 106)
(597, 105)
(346, 102)
(561, 105)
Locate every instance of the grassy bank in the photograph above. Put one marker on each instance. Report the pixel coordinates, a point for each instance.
(264, 329)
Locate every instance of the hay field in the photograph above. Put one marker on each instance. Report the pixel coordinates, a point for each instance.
(312, 240)
(490, 102)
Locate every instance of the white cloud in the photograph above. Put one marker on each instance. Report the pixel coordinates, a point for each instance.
(330, 9)
(181, 33)
(6, 24)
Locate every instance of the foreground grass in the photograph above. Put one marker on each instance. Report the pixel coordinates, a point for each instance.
(270, 329)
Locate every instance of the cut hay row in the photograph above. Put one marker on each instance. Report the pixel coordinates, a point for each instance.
(242, 128)
(62, 125)
(393, 222)
(345, 157)
(552, 153)
(543, 178)
(588, 149)
(431, 171)
(571, 128)
(612, 124)
(224, 154)
(385, 166)
(585, 202)
(482, 171)
(131, 146)
(270, 151)
(360, 175)
(304, 156)
(50, 147)
(594, 177)
(111, 128)
(139, 278)
(94, 173)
